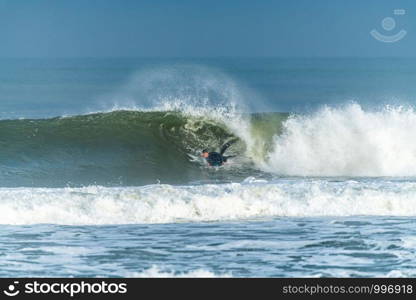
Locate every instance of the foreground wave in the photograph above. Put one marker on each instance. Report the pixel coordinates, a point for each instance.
(252, 198)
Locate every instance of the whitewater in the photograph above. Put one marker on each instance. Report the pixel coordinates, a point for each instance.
(95, 205)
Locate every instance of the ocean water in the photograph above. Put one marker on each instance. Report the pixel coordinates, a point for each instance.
(100, 173)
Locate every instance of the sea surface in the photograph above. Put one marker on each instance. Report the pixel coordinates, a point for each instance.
(101, 174)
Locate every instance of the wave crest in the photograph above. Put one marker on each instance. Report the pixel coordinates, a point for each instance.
(347, 141)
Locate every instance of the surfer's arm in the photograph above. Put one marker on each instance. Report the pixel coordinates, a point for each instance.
(226, 145)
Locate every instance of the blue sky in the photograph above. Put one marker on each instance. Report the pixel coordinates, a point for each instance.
(195, 28)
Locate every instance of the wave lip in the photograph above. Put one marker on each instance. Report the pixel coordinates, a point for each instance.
(96, 205)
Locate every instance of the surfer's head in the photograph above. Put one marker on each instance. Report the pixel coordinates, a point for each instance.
(204, 153)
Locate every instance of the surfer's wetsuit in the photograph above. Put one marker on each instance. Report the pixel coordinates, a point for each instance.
(216, 159)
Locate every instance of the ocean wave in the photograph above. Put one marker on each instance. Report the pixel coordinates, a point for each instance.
(96, 205)
(124, 148)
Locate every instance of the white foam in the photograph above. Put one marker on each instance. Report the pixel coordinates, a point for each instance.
(401, 274)
(157, 272)
(166, 203)
(347, 141)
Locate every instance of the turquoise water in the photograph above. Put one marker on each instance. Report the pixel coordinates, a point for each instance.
(100, 173)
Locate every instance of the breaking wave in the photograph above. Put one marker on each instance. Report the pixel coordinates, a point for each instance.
(250, 199)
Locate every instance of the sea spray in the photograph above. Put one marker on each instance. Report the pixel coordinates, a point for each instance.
(347, 141)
